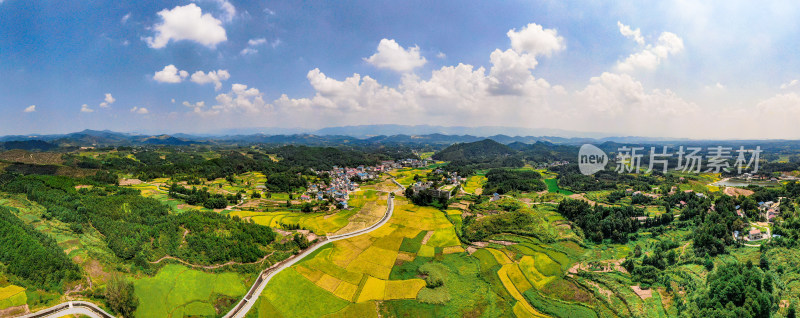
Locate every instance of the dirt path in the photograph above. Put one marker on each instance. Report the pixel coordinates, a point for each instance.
(211, 266)
(582, 196)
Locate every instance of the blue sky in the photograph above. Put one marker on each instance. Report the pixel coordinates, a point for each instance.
(677, 68)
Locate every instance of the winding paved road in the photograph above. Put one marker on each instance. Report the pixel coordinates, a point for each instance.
(71, 308)
(244, 305)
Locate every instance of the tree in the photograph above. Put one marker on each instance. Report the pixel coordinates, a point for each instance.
(735, 290)
(763, 263)
(120, 296)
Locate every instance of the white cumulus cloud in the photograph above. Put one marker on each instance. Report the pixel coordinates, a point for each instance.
(227, 8)
(626, 31)
(536, 40)
(651, 56)
(170, 74)
(30, 109)
(215, 77)
(139, 110)
(240, 98)
(789, 84)
(187, 23)
(108, 100)
(394, 57)
(252, 44)
(256, 42)
(85, 109)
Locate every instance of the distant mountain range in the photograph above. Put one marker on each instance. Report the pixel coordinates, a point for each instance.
(367, 131)
(350, 135)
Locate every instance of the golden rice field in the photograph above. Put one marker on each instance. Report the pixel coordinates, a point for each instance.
(474, 184)
(405, 176)
(13, 295)
(367, 208)
(348, 273)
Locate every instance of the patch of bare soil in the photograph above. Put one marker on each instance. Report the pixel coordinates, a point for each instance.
(581, 196)
(480, 244)
(310, 236)
(126, 182)
(643, 293)
(95, 270)
(734, 192)
(458, 205)
(574, 269)
(427, 237)
(253, 203)
(505, 243)
(14, 311)
(603, 291)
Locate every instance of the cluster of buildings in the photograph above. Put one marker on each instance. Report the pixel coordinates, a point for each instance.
(545, 165)
(451, 180)
(343, 179)
(406, 163)
(429, 185)
(630, 192)
(342, 183)
(769, 209)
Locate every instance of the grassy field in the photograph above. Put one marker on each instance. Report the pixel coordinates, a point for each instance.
(177, 291)
(552, 186)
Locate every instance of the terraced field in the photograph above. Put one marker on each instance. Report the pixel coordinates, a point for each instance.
(525, 267)
(346, 274)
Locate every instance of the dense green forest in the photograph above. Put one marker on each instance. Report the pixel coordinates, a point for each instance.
(141, 229)
(599, 222)
(507, 180)
(31, 256)
(202, 197)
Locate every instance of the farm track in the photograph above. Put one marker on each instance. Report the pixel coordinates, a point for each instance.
(91, 310)
(246, 303)
(210, 266)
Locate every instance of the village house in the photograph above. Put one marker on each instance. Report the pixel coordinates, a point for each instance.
(754, 235)
(428, 185)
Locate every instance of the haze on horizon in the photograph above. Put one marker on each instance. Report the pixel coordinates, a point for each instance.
(711, 70)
